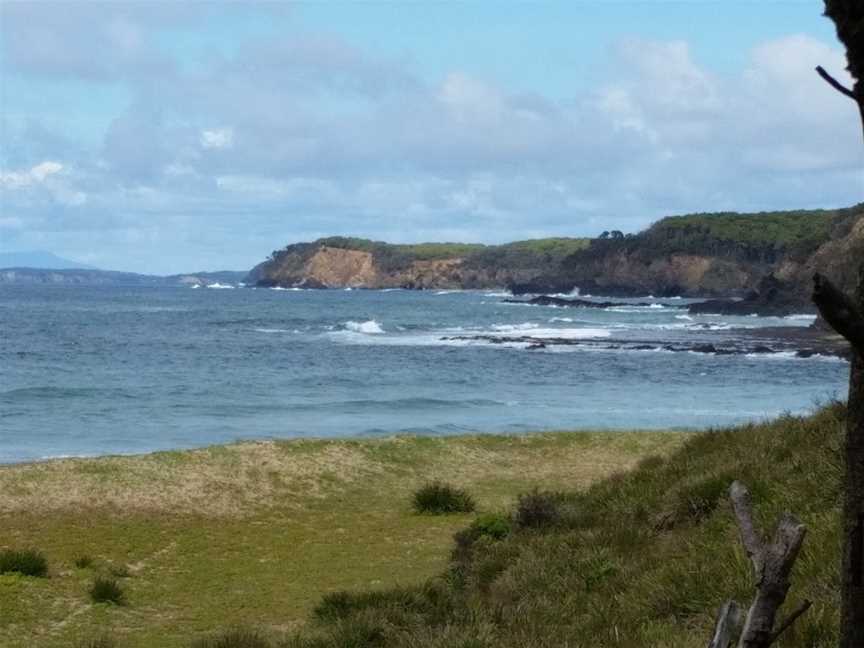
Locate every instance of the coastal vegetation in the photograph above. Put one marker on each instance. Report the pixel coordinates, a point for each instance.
(254, 535)
(722, 254)
(316, 544)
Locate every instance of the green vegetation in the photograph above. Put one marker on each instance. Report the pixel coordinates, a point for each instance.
(438, 498)
(640, 559)
(235, 638)
(107, 590)
(27, 562)
(764, 237)
(539, 254)
(256, 534)
(537, 510)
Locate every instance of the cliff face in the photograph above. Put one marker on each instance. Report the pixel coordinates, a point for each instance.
(329, 267)
(719, 255)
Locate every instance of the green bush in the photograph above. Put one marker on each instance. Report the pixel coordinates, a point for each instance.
(492, 525)
(83, 562)
(538, 509)
(28, 562)
(107, 590)
(439, 498)
(234, 638)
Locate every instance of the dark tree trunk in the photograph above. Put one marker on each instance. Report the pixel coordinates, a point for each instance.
(845, 316)
(852, 623)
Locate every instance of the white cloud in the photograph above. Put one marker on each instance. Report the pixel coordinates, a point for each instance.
(221, 138)
(29, 177)
(325, 139)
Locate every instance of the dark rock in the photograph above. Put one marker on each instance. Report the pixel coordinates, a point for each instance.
(773, 298)
(546, 300)
(542, 285)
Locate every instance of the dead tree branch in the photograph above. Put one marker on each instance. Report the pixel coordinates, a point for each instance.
(772, 564)
(834, 83)
(728, 625)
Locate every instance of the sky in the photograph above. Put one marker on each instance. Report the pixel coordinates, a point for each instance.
(165, 137)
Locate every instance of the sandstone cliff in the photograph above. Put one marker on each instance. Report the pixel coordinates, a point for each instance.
(704, 255)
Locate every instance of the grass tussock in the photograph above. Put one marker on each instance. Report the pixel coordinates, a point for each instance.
(107, 590)
(641, 559)
(234, 638)
(27, 562)
(438, 498)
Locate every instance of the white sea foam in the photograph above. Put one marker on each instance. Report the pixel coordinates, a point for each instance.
(514, 328)
(369, 327)
(684, 317)
(219, 286)
(802, 316)
(273, 330)
(563, 333)
(503, 293)
(562, 319)
(292, 289)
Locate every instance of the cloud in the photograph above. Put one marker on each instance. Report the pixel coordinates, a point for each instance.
(304, 135)
(222, 138)
(29, 177)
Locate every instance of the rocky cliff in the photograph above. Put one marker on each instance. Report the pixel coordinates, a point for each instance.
(768, 256)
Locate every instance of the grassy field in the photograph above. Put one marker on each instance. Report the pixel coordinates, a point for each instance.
(257, 533)
(640, 560)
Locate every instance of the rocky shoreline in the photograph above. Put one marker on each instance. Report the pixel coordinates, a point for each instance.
(804, 343)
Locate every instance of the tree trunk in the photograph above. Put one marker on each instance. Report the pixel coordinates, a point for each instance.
(853, 506)
(844, 316)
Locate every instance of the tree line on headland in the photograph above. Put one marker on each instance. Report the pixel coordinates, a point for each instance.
(719, 254)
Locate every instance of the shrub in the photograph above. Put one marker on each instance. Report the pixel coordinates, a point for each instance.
(492, 525)
(335, 605)
(83, 562)
(27, 562)
(107, 590)
(538, 509)
(439, 498)
(234, 638)
(698, 501)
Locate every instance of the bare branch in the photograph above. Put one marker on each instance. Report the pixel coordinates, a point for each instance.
(743, 508)
(792, 618)
(728, 625)
(838, 310)
(834, 83)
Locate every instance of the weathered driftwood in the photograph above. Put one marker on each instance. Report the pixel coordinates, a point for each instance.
(772, 564)
(728, 625)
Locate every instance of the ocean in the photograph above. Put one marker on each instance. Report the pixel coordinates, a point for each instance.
(106, 370)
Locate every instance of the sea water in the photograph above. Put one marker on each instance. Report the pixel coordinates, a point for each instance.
(101, 370)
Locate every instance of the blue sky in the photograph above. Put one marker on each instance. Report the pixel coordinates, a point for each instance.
(166, 137)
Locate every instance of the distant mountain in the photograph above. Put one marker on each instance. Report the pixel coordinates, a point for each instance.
(39, 259)
(85, 277)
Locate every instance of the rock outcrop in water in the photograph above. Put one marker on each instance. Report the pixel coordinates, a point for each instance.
(764, 261)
